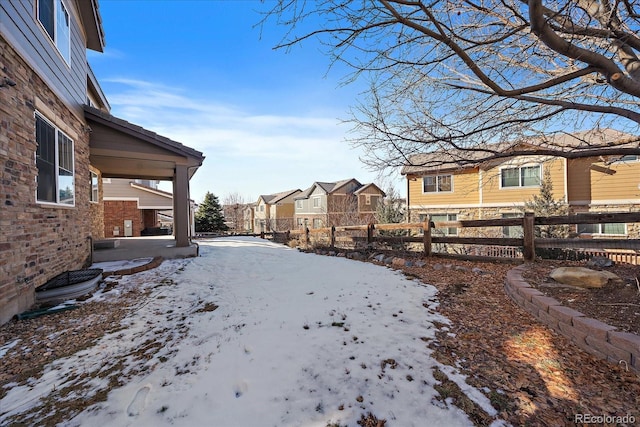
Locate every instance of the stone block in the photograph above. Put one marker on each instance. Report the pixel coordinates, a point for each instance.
(564, 314)
(528, 293)
(531, 308)
(548, 320)
(593, 327)
(543, 302)
(578, 337)
(612, 352)
(626, 341)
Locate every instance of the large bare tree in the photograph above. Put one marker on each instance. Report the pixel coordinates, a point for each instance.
(461, 75)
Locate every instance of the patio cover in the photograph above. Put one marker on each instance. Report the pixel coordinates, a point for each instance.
(120, 149)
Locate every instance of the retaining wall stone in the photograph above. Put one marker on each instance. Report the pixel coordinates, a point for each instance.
(592, 335)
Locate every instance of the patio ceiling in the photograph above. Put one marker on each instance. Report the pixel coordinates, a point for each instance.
(120, 149)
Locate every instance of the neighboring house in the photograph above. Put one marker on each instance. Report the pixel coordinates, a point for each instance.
(132, 207)
(345, 202)
(499, 188)
(274, 212)
(58, 141)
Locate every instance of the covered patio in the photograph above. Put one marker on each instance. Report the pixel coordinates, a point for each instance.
(120, 149)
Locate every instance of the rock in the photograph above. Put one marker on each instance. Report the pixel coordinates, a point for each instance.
(438, 266)
(331, 253)
(420, 264)
(388, 260)
(600, 262)
(583, 277)
(477, 270)
(342, 255)
(358, 256)
(398, 262)
(379, 258)
(408, 263)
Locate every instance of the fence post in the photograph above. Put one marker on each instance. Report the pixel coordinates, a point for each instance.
(333, 237)
(287, 236)
(528, 248)
(426, 237)
(262, 234)
(370, 234)
(306, 235)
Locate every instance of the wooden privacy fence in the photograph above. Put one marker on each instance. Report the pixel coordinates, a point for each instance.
(528, 242)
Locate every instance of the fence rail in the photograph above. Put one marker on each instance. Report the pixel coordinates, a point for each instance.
(423, 233)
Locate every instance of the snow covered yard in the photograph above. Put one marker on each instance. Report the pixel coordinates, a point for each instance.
(256, 334)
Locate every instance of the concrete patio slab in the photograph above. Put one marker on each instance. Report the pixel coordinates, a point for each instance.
(140, 247)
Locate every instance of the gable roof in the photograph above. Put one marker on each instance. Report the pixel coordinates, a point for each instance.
(474, 157)
(327, 187)
(272, 199)
(369, 185)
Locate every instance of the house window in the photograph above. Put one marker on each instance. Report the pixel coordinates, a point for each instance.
(525, 176)
(317, 223)
(611, 228)
(261, 208)
(514, 231)
(299, 222)
(367, 199)
(54, 160)
(437, 183)
(316, 202)
(629, 158)
(94, 187)
(54, 17)
(298, 204)
(448, 231)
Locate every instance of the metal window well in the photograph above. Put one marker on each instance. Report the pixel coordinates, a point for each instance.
(68, 285)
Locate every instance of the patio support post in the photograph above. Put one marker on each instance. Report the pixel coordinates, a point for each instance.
(181, 205)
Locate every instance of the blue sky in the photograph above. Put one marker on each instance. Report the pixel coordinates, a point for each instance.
(202, 73)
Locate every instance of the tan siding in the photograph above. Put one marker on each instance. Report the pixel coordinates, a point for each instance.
(465, 190)
(617, 181)
(493, 194)
(578, 179)
(119, 188)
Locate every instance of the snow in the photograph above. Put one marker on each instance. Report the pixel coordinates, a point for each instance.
(297, 340)
(122, 264)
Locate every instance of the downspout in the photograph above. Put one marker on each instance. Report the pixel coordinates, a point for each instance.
(408, 202)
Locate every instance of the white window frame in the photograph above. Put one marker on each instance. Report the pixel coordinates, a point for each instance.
(520, 177)
(437, 183)
(61, 37)
(95, 188)
(442, 231)
(367, 199)
(600, 229)
(59, 135)
(316, 202)
(298, 204)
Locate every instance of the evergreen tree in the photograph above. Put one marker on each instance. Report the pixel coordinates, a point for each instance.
(210, 217)
(543, 204)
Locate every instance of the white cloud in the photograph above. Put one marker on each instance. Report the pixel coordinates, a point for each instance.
(249, 152)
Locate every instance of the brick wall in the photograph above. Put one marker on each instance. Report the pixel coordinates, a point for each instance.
(116, 212)
(37, 242)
